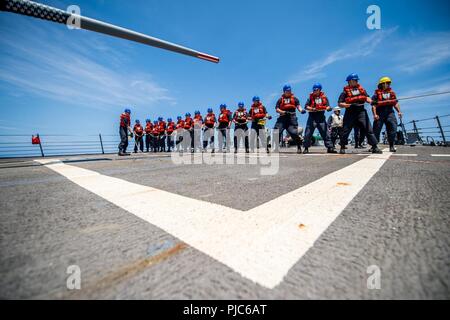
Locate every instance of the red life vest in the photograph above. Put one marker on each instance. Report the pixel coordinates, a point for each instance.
(319, 102)
(210, 120)
(148, 128)
(138, 129)
(386, 98)
(125, 120)
(355, 95)
(180, 124)
(258, 111)
(188, 123)
(224, 117)
(162, 127)
(287, 103)
(155, 130)
(241, 116)
(198, 120)
(170, 127)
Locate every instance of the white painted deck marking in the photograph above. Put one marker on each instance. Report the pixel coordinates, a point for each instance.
(440, 155)
(261, 244)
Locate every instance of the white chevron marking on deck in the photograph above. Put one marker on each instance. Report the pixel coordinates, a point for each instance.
(261, 244)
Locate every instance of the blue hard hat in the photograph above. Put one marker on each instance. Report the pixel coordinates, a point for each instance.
(317, 86)
(223, 106)
(155, 122)
(169, 119)
(179, 118)
(287, 88)
(197, 112)
(148, 120)
(188, 114)
(256, 99)
(241, 104)
(127, 111)
(160, 119)
(138, 122)
(210, 110)
(352, 76)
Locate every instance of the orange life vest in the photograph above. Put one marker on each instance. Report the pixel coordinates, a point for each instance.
(319, 102)
(188, 123)
(161, 127)
(198, 120)
(170, 127)
(210, 120)
(355, 95)
(138, 129)
(180, 124)
(125, 120)
(258, 111)
(148, 128)
(240, 116)
(224, 117)
(287, 103)
(155, 130)
(386, 98)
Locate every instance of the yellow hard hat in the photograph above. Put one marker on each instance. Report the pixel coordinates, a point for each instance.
(385, 80)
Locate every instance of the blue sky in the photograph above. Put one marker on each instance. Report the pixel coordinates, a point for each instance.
(55, 80)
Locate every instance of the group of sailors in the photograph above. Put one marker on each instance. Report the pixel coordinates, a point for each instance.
(192, 134)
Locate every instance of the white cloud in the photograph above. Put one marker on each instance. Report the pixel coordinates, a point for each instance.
(38, 64)
(359, 48)
(422, 52)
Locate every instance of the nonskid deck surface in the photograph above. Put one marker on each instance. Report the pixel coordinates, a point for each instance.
(148, 226)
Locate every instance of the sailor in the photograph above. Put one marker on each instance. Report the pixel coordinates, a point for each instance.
(240, 119)
(353, 98)
(384, 101)
(335, 123)
(286, 108)
(138, 137)
(225, 118)
(148, 132)
(124, 128)
(208, 131)
(258, 115)
(316, 105)
(198, 125)
(170, 132)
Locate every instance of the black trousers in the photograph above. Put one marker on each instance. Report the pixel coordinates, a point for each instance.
(317, 121)
(138, 141)
(123, 145)
(359, 138)
(240, 133)
(224, 137)
(179, 139)
(208, 137)
(258, 136)
(148, 141)
(155, 143)
(390, 120)
(335, 133)
(169, 142)
(162, 143)
(357, 118)
(289, 123)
